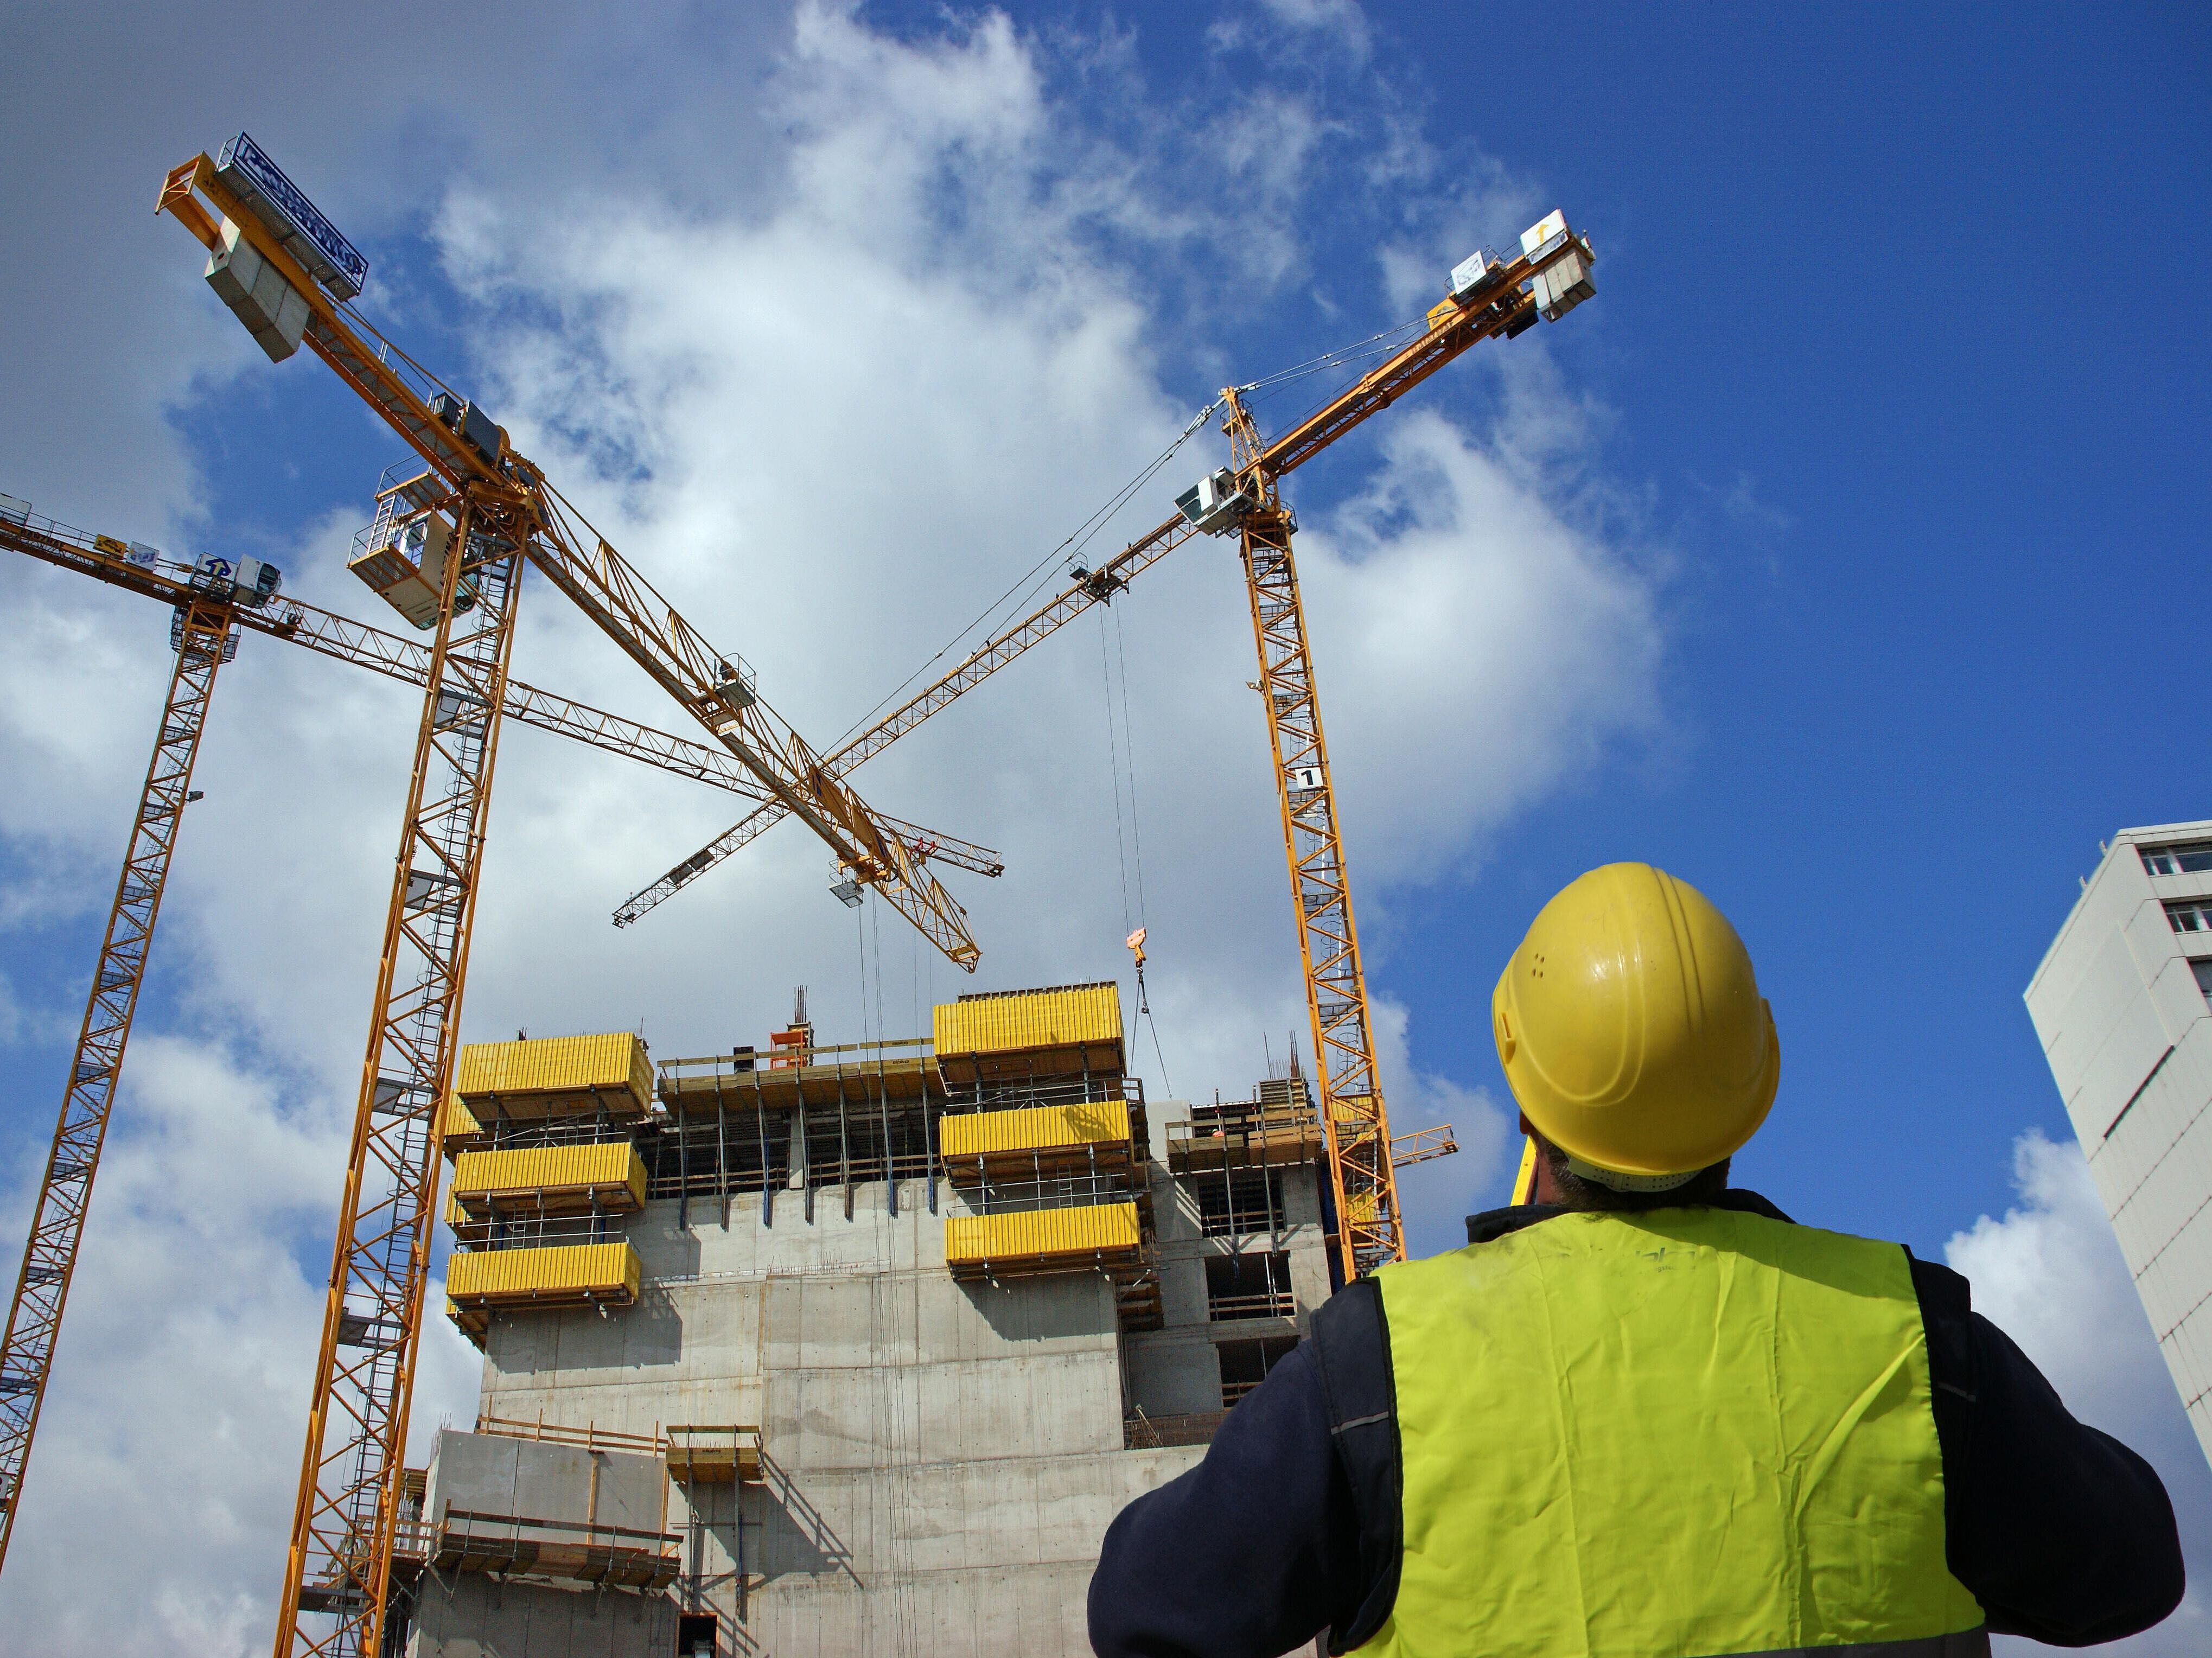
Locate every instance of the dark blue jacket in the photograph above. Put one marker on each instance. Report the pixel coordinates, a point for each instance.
(2062, 1532)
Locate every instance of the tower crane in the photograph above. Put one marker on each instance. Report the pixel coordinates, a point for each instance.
(448, 546)
(212, 601)
(204, 637)
(1489, 298)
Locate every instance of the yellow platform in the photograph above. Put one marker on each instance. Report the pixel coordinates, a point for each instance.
(700, 1455)
(557, 1077)
(1092, 1133)
(472, 1321)
(1269, 1138)
(560, 1275)
(1069, 1030)
(551, 1180)
(1029, 1241)
(458, 1130)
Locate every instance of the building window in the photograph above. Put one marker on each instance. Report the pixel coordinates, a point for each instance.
(1238, 1201)
(1245, 1364)
(2190, 914)
(1253, 1285)
(2203, 972)
(2190, 858)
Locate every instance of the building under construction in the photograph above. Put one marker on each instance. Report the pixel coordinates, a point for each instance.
(810, 1348)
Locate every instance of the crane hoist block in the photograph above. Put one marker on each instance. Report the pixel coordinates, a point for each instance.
(274, 312)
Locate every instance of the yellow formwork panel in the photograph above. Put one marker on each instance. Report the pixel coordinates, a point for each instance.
(612, 1170)
(1067, 1017)
(1034, 1128)
(1030, 1236)
(567, 1272)
(558, 1074)
(458, 1129)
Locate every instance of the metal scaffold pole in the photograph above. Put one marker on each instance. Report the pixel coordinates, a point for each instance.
(34, 1317)
(340, 1560)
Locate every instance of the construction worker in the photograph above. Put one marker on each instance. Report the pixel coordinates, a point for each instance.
(1643, 1415)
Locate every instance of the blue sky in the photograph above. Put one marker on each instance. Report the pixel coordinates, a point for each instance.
(1826, 558)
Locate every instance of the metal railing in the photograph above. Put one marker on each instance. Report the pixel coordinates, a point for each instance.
(589, 1436)
(1141, 1432)
(1267, 1303)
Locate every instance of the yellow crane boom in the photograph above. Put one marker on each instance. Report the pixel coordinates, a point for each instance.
(1493, 304)
(344, 639)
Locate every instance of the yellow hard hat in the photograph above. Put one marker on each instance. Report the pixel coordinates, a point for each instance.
(1631, 1030)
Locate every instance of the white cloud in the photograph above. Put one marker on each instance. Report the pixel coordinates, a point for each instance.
(2050, 1275)
(1341, 21)
(833, 376)
(1436, 1197)
(170, 1432)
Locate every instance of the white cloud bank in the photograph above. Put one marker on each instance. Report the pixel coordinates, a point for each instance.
(949, 303)
(2050, 1275)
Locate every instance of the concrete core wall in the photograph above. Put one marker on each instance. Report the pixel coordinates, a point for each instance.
(941, 1459)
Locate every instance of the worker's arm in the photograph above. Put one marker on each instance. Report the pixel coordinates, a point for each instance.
(2062, 1532)
(1250, 1554)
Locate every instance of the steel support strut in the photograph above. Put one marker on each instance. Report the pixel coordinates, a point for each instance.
(340, 1561)
(1361, 1181)
(58, 1223)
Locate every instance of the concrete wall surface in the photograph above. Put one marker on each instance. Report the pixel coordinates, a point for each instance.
(2124, 1018)
(469, 1615)
(532, 1480)
(941, 1459)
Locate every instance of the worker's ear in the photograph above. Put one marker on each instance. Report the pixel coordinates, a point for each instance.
(1527, 1127)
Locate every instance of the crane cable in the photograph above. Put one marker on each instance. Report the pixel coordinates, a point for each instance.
(1116, 755)
(1019, 594)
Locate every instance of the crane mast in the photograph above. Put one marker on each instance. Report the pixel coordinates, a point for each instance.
(340, 1557)
(34, 1315)
(1362, 1183)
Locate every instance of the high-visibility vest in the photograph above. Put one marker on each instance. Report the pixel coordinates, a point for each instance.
(1676, 1434)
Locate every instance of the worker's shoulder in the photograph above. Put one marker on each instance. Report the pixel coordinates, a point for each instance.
(1492, 1224)
(1746, 1219)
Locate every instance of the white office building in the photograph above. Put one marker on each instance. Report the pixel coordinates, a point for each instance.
(2121, 1004)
